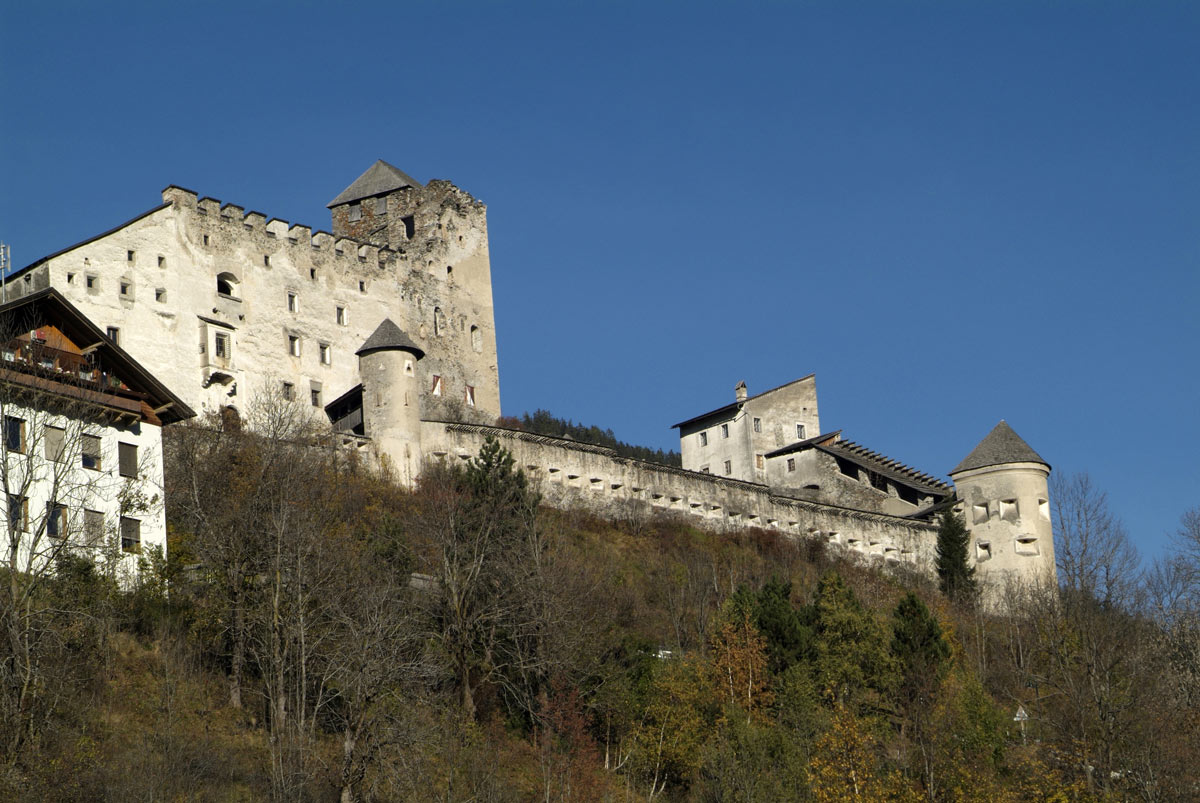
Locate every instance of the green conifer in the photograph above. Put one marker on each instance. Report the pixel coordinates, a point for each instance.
(956, 577)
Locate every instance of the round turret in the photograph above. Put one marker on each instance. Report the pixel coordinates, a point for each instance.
(391, 402)
(1002, 485)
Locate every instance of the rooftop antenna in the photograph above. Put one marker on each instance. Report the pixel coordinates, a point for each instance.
(5, 263)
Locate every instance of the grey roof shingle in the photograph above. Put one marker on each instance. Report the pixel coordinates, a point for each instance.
(1002, 445)
(379, 178)
(389, 336)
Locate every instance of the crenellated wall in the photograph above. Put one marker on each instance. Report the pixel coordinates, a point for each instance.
(300, 302)
(569, 473)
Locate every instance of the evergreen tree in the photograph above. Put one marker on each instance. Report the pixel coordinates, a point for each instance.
(956, 577)
(788, 631)
(853, 665)
(918, 645)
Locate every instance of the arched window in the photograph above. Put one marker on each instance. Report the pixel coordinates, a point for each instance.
(227, 284)
(437, 321)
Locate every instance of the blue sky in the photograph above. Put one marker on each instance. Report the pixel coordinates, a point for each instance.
(952, 213)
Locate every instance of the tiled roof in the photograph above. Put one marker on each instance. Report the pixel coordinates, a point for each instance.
(1002, 445)
(886, 466)
(831, 443)
(389, 336)
(379, 178)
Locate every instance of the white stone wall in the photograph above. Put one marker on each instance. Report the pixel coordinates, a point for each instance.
(593, 477)
(32, 473)
(1007, 510)
(734, 438)
(155, 280)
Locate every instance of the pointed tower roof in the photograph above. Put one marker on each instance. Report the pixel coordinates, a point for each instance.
(1002, 445)
(379, 178)
(388, 336)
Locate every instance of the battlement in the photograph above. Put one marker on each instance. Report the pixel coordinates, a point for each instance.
(298, 234)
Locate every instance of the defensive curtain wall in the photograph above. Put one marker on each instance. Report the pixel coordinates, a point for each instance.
(595, 478)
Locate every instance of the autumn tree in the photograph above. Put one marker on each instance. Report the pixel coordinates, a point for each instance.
(489, 609)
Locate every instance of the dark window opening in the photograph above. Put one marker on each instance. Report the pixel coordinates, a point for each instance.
(410, 226)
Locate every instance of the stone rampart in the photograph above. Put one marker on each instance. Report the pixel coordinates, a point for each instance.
(595, 478)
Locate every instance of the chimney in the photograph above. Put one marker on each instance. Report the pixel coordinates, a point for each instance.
(740, 391)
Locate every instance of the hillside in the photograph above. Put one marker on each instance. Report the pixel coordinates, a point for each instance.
(328, 636)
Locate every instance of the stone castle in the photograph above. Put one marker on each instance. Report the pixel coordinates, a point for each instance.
(384, 327)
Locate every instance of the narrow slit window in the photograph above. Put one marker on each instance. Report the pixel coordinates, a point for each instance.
(437, 386)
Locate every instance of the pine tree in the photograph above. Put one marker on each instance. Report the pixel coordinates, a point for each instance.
(956, 577)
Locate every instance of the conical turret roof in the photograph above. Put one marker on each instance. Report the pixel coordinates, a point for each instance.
(1002, 445)
(379, 178)
(389, 336)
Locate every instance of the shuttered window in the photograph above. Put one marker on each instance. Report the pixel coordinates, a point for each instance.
(131, 535)
(91, 452)
(127, 455)
(55, 439)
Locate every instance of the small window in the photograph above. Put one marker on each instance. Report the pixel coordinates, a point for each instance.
(226, 284)
(728, 467)
(408, 368)
(979, 513)
(91, 452)
(131, 535)
(266, 260)
(312, 274)
(90, 281)
(356, 211)
(758, 425)
(128, 256)
(1043, 510)
(315, 396)
(381, 206)
(1027, 545)
(362, 287)
(54, 440)
(325, 357)
(983, 551)
(469, 396)
(437, 386)
(18, 513)
(70, 278)
(125, 288)
(704, 439)
(791, 464)
(724, 430)
(221, 348)
(93, 527)
(294, 345)
(289, 391)
(206, 239)
(800, 432)
(293, 302)
(409, 226)
(162, 262)
(759, 463)
(114, 334)
(14, 434)
(56, 520)
(704, 470)
(127, 458)
(341, 316)
(160, 294)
